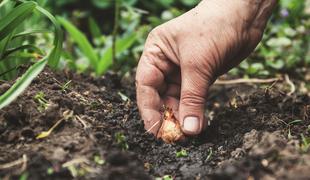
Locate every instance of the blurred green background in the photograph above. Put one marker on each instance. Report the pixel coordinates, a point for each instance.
(285, 45)
(91, 28)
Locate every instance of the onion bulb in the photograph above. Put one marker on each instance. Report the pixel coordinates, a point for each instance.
(170, 130)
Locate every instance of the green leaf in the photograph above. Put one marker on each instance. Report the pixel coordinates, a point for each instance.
(102, 4)
(165, 177)
(295, 6)
(279, 64)
(182, 153)
(24, 176)
(295, 121)
(8, 68)
(55, 54)
(166, 3)
(22, 83)
(190, 3)
(81, 41)
(94, 28)
(8, 65)
(11, 64)
(30, 32)
(7, 25)
(254, 68)
(279, 42)
(121, 45)
(22, 47)
(3, 3)
(13, 19)
(290, 32)
(4, 43)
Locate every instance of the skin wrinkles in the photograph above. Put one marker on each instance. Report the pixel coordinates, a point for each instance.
(184, 56)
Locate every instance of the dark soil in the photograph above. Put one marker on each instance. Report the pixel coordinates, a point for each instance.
(101, 136)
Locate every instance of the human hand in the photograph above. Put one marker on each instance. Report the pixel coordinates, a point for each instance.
(183, 57)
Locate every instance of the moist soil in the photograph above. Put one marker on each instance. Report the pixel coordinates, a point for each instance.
(254, 133)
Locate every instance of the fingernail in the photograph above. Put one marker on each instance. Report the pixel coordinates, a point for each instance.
(191, 124)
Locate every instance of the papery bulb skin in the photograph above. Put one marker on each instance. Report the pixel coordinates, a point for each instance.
(170, 130)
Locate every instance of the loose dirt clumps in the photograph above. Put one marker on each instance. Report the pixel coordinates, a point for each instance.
(273, 157)
(250, 136)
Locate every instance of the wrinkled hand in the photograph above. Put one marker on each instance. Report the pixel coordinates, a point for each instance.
(184, 56)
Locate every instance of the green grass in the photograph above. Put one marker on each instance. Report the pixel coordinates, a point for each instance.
(9, 31)
(285, 46)
(99, 62)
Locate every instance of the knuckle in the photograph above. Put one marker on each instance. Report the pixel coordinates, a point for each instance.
(139, 77)
(156, 32)
(144, 79)
(192, 99)
(203, 68)
(204, 60)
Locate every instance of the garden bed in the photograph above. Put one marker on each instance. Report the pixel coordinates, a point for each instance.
(254, 133)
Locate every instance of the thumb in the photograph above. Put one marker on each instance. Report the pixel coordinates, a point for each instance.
(192, 102)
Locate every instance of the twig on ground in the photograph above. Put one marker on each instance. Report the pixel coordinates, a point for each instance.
(80, 163)
(291, 84)
(24, 166)
(23, 160)
(86, 128)
(246, 81)
(82, 122)
(68, 114)
(45, 134)
(270, 87)
(77, 161)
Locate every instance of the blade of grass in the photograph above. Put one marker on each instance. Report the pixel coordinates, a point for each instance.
(22, 83)
(94, 28)
(80, 39)
(14, 18)
(3, 2)
(10, 23)
(6, 70)
(117, 5)
(107, 58)
(295, 121)
(31, 32)
(4, 43)
(22, 47)
(54, 57)
(11, 65)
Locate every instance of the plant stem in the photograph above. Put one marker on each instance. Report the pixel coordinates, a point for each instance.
(115, 30)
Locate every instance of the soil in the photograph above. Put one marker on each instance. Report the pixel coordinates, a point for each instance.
(100, 135)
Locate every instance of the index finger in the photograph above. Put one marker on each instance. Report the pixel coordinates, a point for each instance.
(150, 80)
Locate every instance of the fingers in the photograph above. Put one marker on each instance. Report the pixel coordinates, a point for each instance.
(149, 103)
(192, 102)
(264, 12)
(150, 80)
